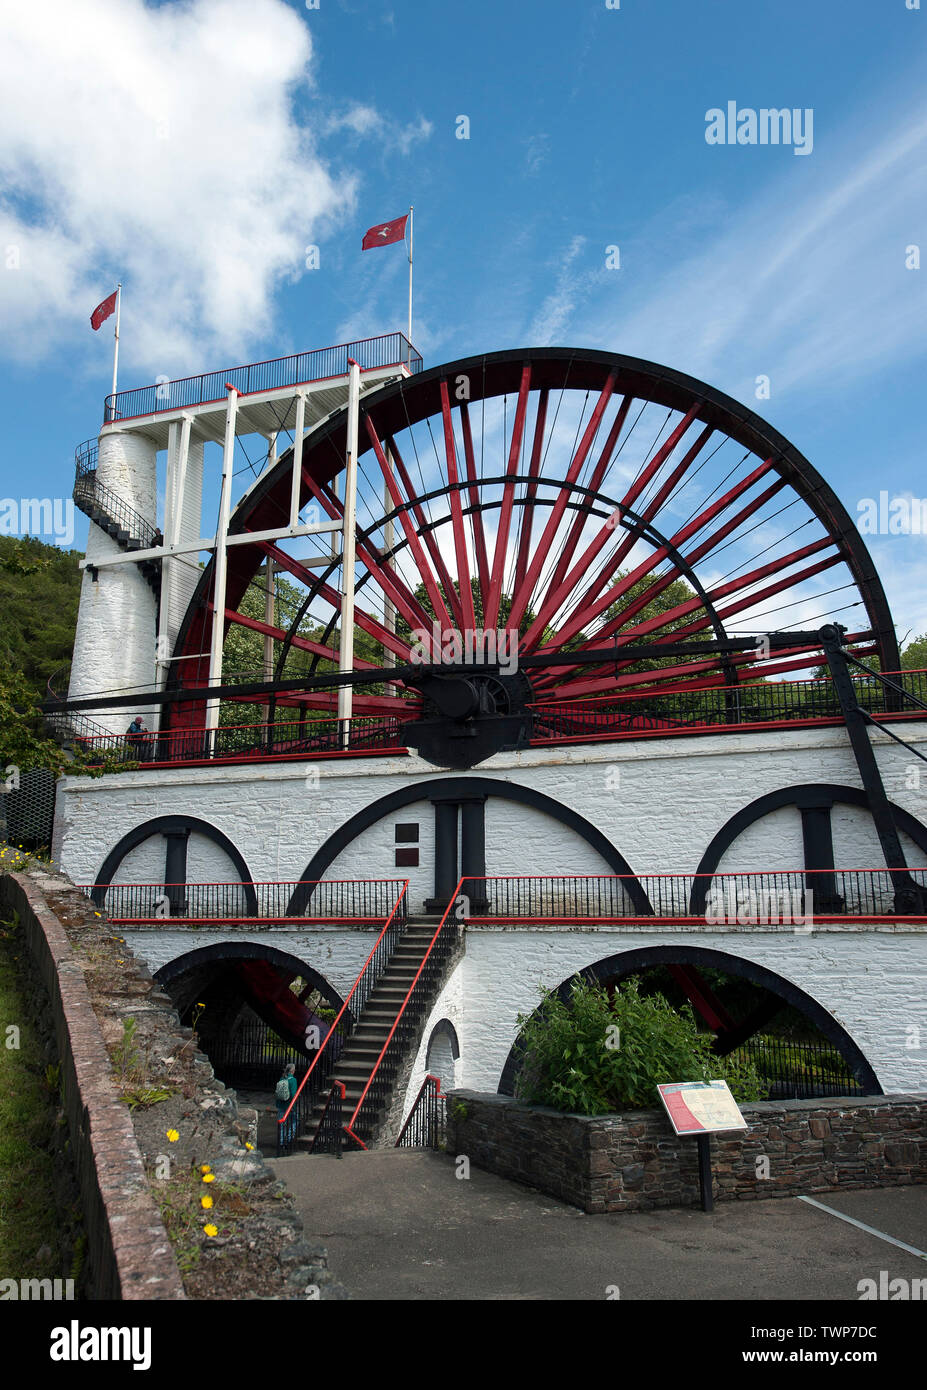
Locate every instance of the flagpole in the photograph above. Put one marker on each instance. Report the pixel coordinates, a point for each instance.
(116, 345)
(410, 286)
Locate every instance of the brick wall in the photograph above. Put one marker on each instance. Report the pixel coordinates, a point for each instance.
(634, 1162)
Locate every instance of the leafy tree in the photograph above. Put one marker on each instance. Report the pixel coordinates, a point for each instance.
(39, 596)
(914, 656)
(596, 1054)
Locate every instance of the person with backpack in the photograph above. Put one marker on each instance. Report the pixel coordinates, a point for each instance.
(284, 1092)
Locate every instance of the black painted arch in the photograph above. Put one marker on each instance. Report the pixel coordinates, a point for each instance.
(246, 950)
(804, 794)
(631, 962)
(451, 789)
(164, 825)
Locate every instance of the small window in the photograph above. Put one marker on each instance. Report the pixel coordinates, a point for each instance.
(407, 858)
(406, 835)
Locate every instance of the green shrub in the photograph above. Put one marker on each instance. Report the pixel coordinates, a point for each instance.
(595, 1055)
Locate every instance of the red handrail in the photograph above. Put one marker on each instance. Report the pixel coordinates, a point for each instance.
(348, 1128)
(330, 1033)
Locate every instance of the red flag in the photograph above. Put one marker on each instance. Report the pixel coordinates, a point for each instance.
(385, 233)
(102, 312)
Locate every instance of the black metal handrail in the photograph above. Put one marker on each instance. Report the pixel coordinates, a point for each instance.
(780, 896)
(369, 901)
(426, 1123)
(329, 1136)
(374, 732)
(91, 496)
(318, 364)
(769, 702)
(798, 1069)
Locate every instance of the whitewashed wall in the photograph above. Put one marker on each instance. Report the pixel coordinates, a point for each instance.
(874, 983)
(114, 644)
(661, 810)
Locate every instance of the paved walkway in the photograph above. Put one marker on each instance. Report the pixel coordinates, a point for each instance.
(399, 1224)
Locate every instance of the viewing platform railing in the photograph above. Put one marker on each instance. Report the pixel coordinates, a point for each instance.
(773, 704)
(318, 364)
(356, 902)
(796, 897)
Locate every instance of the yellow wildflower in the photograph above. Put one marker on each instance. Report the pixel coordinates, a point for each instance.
(211, 1230)
(173, 1136)
(209, 1177)
(206, 1202)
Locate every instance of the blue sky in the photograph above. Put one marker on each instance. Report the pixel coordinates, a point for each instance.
(195, 151)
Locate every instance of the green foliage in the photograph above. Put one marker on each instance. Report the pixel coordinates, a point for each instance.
(39, 595)
(599, 1054)
(23, 741)
(914, 656)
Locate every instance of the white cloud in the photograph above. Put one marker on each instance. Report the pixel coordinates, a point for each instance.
(366, 122)
(158, 146)
(806, 283)
(554, 314)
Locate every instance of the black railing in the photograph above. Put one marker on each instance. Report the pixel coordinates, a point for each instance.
(329, 1136)
(426, 1123)
(252, 741)
(770, 702)
(101, 504)
(799, 1069)
(252, 1056)
(368, 901)
(794, 897)
(390, 349)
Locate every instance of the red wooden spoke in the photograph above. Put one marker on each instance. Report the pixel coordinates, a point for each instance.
(527, 511)
(393, 585)
(415, 545)
(365, 621)
(743, 581)
(468, 619)
(427, 534)
(629, 680)
(305, 644)
(476, 514)
(556, 598)
(714, 539)
(522, 597)
(591, 606)
(491, 600)
(595, 482)
(810, 656)
(625, 636)
(327, 700)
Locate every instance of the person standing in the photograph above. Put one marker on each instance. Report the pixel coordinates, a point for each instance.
(284, 1093)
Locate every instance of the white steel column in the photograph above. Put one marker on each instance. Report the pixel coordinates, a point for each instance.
(178, 451)
(348, 553)
(218, 602)
(297, 474)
